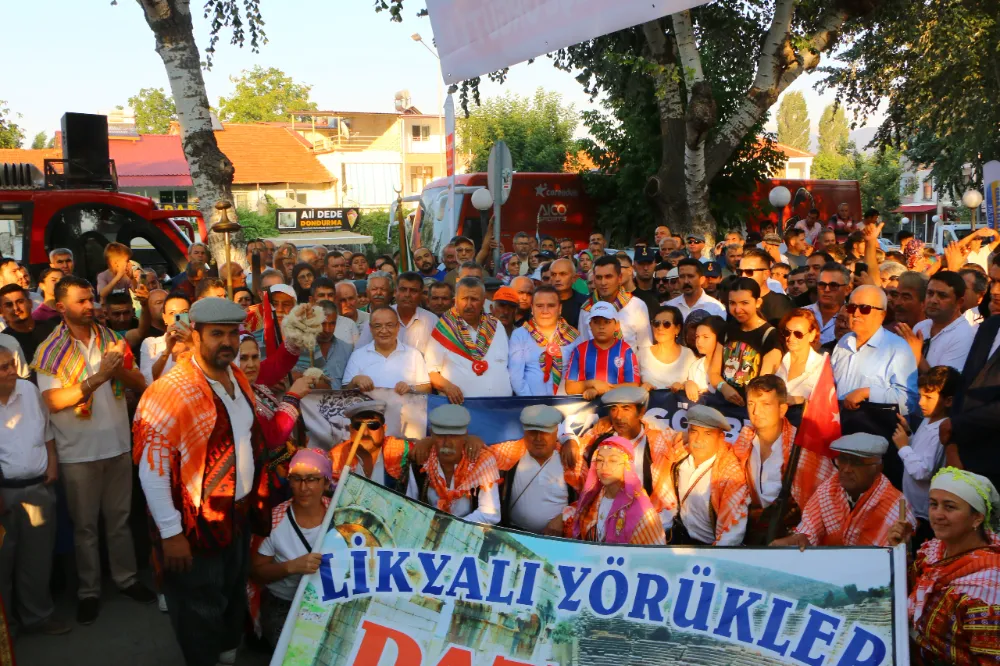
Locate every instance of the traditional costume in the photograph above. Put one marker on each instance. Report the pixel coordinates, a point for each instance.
(474, 359)
(954, 602)
(812, 470)
(538, 363)
(831, 519)
(627, 518)
(391, 467)
(201, 454)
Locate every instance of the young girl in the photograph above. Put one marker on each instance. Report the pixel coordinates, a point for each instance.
(707, 336)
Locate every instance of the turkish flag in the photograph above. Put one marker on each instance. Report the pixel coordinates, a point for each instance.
(821, 418)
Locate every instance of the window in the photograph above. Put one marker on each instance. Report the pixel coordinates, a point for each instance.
(301, 198)
(180, 197)
(420, 176)
(166, 198)
(242, 200)
(421, 132)
(928, 190)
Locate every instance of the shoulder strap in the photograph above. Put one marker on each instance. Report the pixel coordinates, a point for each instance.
(295, 526)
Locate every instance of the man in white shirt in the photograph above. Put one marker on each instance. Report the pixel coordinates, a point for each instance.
(415, 323)
(712, 492)
(351, 321)
(633, 316)
(833, 287)
(386, 362)
(467, 353)
(691, 274)
(89, 419)
(202, 414)
(29, 466)
(158, 355)
(945, 337)
(536, 488)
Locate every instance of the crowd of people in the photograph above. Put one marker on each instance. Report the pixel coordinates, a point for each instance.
(196, 396)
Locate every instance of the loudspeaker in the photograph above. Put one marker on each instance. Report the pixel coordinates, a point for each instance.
(85, 146)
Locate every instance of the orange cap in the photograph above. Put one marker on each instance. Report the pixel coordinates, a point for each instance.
(506, 294)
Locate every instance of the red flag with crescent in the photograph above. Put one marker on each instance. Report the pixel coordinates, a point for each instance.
(821, 419)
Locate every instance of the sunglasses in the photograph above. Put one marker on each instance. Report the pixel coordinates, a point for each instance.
(372, 424)
(748, 272)
(863, 309)
(664, 280)
(692, 241)
(830, 286)
(659, 323)
(789, 333)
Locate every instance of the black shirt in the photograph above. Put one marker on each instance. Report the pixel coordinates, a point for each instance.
(744, 351)
(775, 306)
(650, 298)
(571, 308)
(805, 299)
(31, 341)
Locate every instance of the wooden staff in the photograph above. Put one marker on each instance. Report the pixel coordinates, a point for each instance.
(354, 445)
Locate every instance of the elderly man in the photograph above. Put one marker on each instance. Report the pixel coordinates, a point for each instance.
(857, 506)
(540, 349)
(538, 483)
(448, 480)
(504, 308)
(351, 320)
(283, 299)
(907, 298)
(467, 353)
(633, 315)
(562, 276)
(707, 493)
(309, 256)
(415, 323)
(870, 363)
(158, 355)
(386, 362)
(62, 259)
(765, 447)
(21, 366)
(379, 290)
(83, 370)
(30, 467)
(604, 361)
(202, 472)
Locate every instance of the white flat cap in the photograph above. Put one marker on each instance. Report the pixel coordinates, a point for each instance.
(449, 420)
(861, 444)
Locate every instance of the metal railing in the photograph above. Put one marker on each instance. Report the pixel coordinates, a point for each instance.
(80, 175)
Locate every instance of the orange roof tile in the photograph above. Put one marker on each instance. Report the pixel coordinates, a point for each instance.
(789, 151)
(267, 154)
(36, 157)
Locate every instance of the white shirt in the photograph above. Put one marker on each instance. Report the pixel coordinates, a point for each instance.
(494, 382)
(921, 459)
(952, 343)
(415, 334)
(378, 475)
(664, 375)
(539, 493)
(827, 329)
(698, 373)
(704, 302)
(766, 475)
(106, 433)
(804, 384)
(150, 352)
(156, 486)
(812, 233)
(404, 364)
(973, 316)
(696, 512)
(24, 429)
(603, 511)
(525, 367)
(284, 545)
(981, 257)
(634, 322)
(349, 330)
(20, 363)
(488, 512)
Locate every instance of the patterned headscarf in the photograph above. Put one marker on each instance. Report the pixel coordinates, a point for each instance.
(913, 252)
(630, 504)
(502, 274)
(977, 490)
(311, 460)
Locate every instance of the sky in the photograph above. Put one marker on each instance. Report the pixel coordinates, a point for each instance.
(89, 55)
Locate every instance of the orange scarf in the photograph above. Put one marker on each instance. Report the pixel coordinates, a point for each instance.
(468, 476)
(829, 520)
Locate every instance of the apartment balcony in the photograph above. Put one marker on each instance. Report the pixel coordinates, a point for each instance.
(354, 143)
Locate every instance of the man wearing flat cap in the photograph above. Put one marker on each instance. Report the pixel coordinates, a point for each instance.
(857, 506)
(200, 453)
(382, 459)
(450, 479)
(539, 477)
(707, 491)
(654, 449)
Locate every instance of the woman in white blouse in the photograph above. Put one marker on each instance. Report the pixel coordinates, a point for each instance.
(708, 334)
(801, 365)
(666, 362)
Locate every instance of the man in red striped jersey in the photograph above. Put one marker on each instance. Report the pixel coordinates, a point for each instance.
(603, 362)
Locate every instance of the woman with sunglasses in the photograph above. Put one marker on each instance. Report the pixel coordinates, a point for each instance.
(279, 561)
(801, 365)
(665, 363)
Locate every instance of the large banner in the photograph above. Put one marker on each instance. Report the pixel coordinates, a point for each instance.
(402, 584)
(476, 38)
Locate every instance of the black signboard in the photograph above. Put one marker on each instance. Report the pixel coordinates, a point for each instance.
(316, 219)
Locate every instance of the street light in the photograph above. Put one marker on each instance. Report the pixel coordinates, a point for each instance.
(225, 222)
(482, 200)
(417, 38)
(779, 198)
(971, 200)
(935, 221)
(905, 221)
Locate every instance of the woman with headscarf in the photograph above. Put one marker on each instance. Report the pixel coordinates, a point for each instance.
(584, 262)
(303, 276)
(613, 506)
(954, 602)
(510, 267)
(278, 562)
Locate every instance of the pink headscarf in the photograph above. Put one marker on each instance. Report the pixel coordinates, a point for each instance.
(631, 502)
(312, 460)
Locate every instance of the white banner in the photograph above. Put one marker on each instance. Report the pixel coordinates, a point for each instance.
(991, 193)
(476, 37)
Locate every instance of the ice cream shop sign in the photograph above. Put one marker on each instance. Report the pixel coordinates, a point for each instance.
(316, 219)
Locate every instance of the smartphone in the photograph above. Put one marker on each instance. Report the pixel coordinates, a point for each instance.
(860, 267)
(185, 318)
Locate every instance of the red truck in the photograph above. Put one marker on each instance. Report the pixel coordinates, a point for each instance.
(554, 204)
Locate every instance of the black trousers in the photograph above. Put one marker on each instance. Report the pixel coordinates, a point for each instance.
(208, 604)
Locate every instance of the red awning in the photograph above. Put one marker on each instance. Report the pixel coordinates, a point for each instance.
(916, 208)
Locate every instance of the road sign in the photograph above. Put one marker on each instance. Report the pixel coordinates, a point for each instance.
(500, 172)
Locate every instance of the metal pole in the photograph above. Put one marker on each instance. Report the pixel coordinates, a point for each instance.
(229, 268)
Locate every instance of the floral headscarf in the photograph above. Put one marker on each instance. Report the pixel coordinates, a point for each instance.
(913, 252)
(629, 505)
(503, 275)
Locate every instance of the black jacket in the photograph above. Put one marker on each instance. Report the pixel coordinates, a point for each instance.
(975, 413)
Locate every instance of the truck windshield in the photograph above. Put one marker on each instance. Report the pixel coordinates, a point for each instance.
(434, 230)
